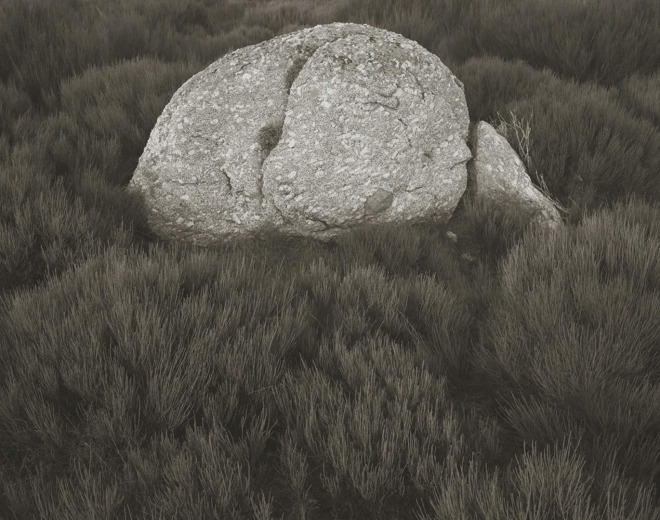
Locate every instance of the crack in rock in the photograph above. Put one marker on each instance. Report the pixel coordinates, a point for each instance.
(395, 107)
(415, 189)
(419, 84)
(205, 138)
(470, 165)
(241, 68)
(291, 75)
(406, 135)
(268, 138)
(316, 219)
(269, 135)
(294, 70)
(228, 179)
(224, 173)
(285, 219)
(464, 161)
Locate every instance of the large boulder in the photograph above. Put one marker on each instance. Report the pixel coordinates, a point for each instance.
(309, 133)
(497, 173)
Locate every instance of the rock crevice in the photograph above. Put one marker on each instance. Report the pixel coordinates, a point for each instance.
(278, 129)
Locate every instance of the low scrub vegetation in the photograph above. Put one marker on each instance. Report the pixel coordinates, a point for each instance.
(389, 373)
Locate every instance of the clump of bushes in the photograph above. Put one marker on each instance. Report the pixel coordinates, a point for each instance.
(375, 376)
(639, 93)
(62, 180)
(237, 351)
(570, 343)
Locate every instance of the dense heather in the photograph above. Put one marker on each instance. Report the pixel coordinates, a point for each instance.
(391, 373)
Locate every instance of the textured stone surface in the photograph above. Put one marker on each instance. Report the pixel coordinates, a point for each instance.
(499, 174)
(310, 133)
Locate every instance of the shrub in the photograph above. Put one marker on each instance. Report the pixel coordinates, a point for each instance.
(113, 109)
(590, 150)
(576, 327)
(41, 43)
(89, 149)
(45, 230)
(44, 42)
(13, 104)
(247, 344)
(597, 40)
(291, 386)
(494, 228)
(640, 94)
(283, 17)
(491, 84)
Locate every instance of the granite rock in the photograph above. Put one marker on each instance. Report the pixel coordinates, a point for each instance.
(499, 174)
(310, 133)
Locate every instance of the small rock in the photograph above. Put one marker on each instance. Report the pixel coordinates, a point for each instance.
(452, 236)
(509, 183)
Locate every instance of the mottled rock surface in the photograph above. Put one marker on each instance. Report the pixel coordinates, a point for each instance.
(310, 133)
(499, 174)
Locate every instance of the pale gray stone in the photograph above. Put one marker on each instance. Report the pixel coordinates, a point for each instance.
(311, 133)
(500, 175)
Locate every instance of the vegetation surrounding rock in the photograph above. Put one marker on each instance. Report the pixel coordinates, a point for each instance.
(382, 374)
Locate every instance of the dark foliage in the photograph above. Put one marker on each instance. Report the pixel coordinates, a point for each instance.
(389, 373)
